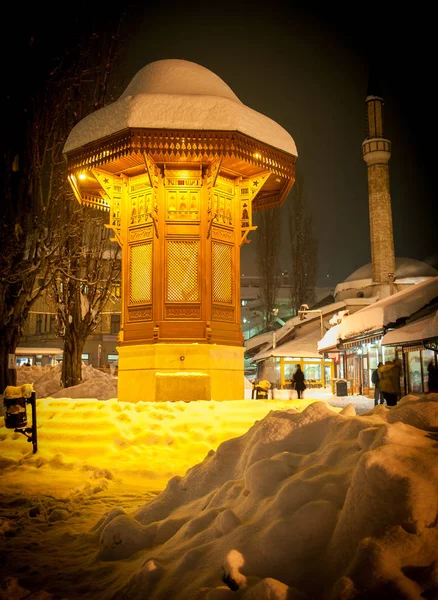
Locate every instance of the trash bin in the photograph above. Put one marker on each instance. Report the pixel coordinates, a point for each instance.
(261, 393)
(341, 387)
(15, 415)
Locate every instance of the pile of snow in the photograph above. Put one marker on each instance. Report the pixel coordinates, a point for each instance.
(304, 505)
(47, 382)
(310, 504)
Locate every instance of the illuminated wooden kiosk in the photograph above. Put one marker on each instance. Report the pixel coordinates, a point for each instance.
(180, 201)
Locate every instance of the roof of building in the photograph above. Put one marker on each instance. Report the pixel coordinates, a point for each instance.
(418, 331)
(384, 313)
(265, 342)
(304, 346)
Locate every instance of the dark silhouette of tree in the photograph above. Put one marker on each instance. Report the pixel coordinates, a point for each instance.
(48, 95)
(268, 240)
(303, 249)
(89, 265)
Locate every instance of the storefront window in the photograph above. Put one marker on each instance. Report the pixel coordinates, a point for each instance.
(373, 356)
(366, 373)
(388, 353)
(350, 366)
(414, 366)
(312, 372)
(289, 370)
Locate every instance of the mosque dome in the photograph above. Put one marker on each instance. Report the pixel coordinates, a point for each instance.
(178, 94)
(404, 268)
(359, 285)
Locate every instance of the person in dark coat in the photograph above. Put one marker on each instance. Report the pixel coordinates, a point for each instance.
(298, 380)
(378, 396)
(432, 382)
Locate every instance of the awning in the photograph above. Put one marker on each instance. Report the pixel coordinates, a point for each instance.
(418, 331)
(366, 339)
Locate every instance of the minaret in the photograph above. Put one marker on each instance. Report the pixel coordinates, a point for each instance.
(376, 153)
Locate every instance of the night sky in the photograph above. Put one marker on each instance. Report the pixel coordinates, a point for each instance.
(308, 70)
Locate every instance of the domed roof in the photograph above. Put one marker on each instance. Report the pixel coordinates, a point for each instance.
(179, 94)
(404, 268)
(181, 77)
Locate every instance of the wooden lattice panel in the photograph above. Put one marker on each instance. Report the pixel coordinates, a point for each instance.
(182, 271)
(222, 273)
(140, 273)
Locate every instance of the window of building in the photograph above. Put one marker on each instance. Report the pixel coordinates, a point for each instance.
(39, 324)
(388, 353)
(312, 372)
(426, 357)
(115, 324)
(414, 371)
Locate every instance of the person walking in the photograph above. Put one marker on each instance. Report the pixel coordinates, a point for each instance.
(298, 380)
(378, 396)
(387, 377)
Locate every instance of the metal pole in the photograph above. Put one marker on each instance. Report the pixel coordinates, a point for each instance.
(323, 354)
(34, 423)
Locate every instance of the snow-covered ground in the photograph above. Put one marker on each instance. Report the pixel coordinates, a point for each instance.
(249, 499)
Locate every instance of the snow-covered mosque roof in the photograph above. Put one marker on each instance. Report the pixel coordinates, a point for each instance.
(179, 94)
(406, 270)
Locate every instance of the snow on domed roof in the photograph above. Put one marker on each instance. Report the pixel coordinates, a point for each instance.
(407, 271)
(180, 77)
(404, 268)
(179, 94)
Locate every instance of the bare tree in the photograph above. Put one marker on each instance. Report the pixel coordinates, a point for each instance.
(303, 249)
(89, 265)
(36, 196)
(267, 250)
(30, 233)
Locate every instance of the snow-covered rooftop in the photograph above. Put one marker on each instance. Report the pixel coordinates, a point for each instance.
(389, 310)
(267, 339)
(304, 346)
(423, 329)
(179, 94)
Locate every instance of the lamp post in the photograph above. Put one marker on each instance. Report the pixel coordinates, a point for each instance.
(304, 309)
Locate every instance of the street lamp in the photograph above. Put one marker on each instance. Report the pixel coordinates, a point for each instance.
(304, 309)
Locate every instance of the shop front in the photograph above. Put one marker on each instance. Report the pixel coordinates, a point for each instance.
(279, 370)
(356, 360)
(418, 342)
